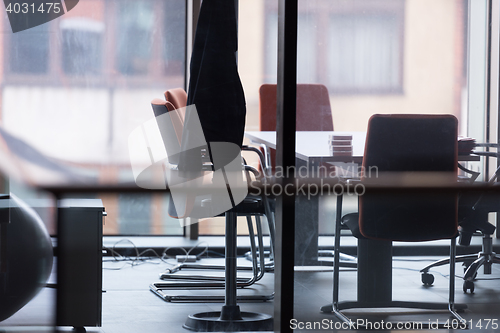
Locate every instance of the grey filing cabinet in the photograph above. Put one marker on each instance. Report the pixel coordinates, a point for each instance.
(79, 263)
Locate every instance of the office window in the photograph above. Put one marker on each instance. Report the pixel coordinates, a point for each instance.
(168, 225)
(91, 74)
(271, 48)
(306, 49)
(111, 42)
(352, 47)
(134, 214)
(81, 45)
(364, 53)
(28, 51)
(134, 36)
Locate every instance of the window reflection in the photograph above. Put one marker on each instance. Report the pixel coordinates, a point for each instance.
(82, 45)
(29, 51)
(174, 53)
(75, 87)
(135, 20)
(350, 46)
(364, 53)
(134, 214)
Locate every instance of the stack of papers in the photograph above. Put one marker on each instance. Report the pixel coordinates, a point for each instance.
(340, 145)
(466, 145)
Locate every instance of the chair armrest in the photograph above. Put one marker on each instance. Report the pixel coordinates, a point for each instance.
(354, 181)
(262, 159)
(470, 179)
(253, 170)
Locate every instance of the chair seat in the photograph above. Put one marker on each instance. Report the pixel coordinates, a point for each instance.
(251, 205)
(351, 221)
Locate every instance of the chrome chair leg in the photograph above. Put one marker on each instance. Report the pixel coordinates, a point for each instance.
(484, 259)
(445, 261)
(451, 301)
(258, 266)
(336, 306)
(257, 272)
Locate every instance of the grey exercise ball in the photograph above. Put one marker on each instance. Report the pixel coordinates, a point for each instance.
(26, 255)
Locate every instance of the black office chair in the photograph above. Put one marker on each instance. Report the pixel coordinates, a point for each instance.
(473, 219)
(401, 145)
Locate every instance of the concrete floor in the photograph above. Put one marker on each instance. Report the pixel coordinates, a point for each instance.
(129, 306)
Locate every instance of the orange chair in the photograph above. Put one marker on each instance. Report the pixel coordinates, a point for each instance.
(177, 97)
(175, 104)
(401, 144)
(313, 108)
(313, 111)
(172, 132)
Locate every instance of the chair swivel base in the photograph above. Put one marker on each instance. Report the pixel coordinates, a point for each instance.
(229, 319)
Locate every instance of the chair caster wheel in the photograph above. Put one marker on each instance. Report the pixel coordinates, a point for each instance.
(468, 285)
(427, 279)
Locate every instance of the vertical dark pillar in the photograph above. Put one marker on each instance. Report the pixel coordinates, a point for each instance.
(285, 158)
(192, 12)
(488, 85)
(4, 221)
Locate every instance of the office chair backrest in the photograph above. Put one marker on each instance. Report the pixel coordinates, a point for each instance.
(189, 182)
(171, 131)
(177, 96)
(410, 144)
(174, 104)
(170, 116)
(313, 108)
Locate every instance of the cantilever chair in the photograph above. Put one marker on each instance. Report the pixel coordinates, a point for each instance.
(313, 108)
(226, 173)
(175, 103)
(402, 145)
(252, 206)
